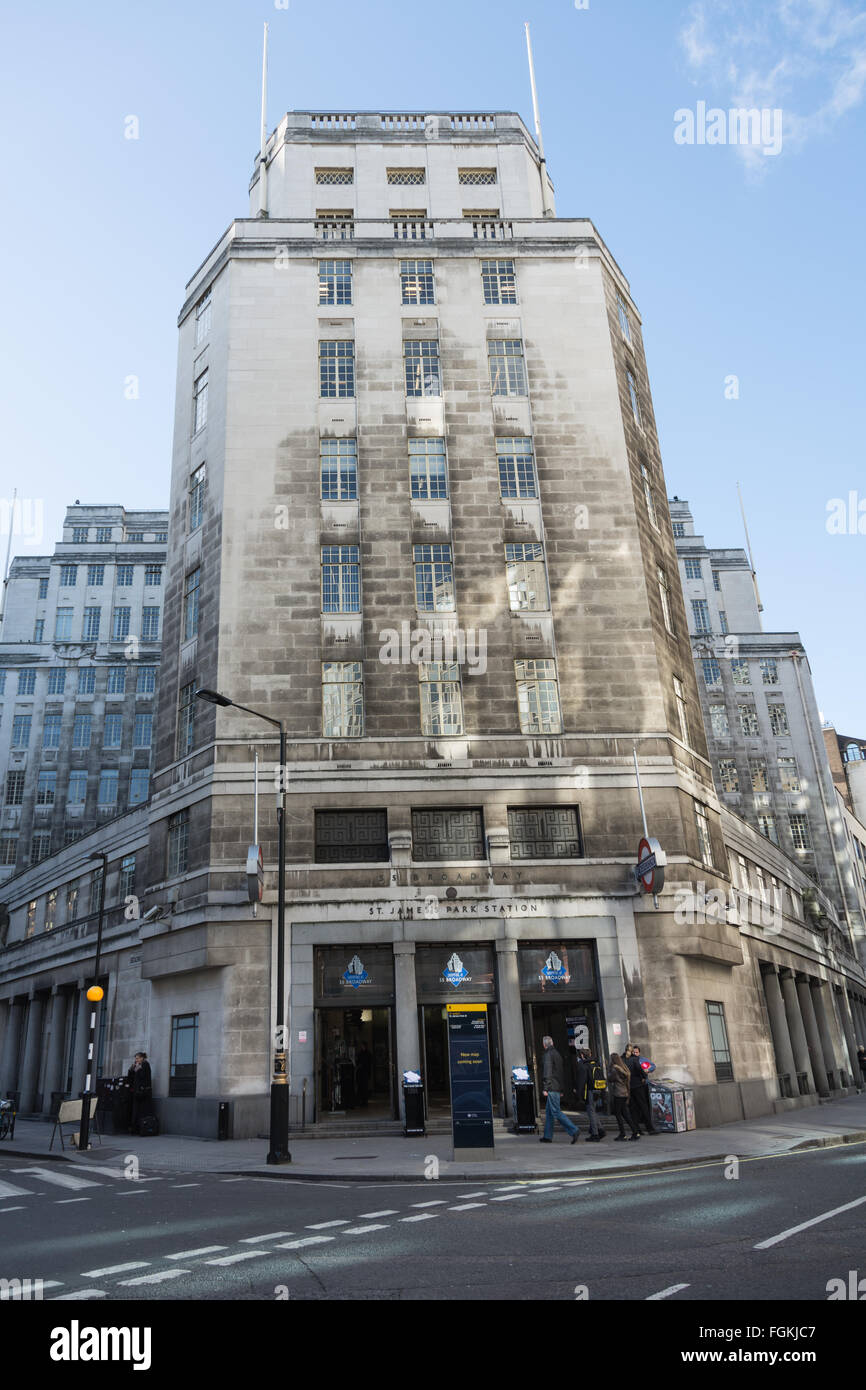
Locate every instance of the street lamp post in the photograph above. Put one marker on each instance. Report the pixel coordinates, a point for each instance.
(94, 994)
(278, 1151)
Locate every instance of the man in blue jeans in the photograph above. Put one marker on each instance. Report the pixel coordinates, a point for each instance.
(553, 1085)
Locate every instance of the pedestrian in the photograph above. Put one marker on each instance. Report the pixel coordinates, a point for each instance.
(586, 1073)
(553, 1084)
(619, 1080)
(363, 1068)
(139, 1078)
(639, 1102)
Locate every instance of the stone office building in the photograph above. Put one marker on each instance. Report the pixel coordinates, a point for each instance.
(418, 514)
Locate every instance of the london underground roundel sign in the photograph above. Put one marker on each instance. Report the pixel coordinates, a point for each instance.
(650, 869)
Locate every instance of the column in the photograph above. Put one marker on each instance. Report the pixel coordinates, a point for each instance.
(813, 1041)
(823, 1007)
(53, 1079)
(11, 1044)
(406, 1013)
(32, 1053)
(510, 1013)
(80, 1002)
(848, 1031)
(859, 1015)
(779, 1025)
(796, 1029)
(5, 1011)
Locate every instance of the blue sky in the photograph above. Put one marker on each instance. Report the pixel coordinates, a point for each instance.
(741, 263)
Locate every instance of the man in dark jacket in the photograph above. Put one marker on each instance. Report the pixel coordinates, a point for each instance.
(139, 1078)
(553, 1085)
(585, 1070)
(639, 1102)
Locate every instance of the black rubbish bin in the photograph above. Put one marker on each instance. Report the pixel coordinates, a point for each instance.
(121, 1109)
(224, 1120)
(523, 1101)
(413, 1104)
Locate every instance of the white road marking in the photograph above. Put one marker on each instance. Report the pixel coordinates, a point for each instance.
(325, 1225)
(468, 1206)
(116, 1173)
(176, 1185)
(59, 1179)
(665, 1293)
(114, 1269)
(64, 1201)
(233, 1179)
(52, 1283)
(236, 1259)
(158, 1278)
(362, 1230)
(804, 1226)
(512, 1187)
(510, 1198)
(190, 1254)
(8, 1189)
(440, 1202)
(80, 1294)
(423, 1216)
(272, 1235)
(472, 1194)
(3, 1210)
(310, 1240)
(365, 1215)
(133, 1192)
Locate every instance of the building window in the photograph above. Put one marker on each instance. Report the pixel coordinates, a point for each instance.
(434, 578)
(142, 731)
(428, 475)
(145, 681)
(139, 785)
(416, 282)
(447, 834)
(152, 576)
(56, 681)
(26, 682)
(191, 587)
(186, 720)
(729, 778)
(203, 318)
(406, 177)
(622, 315)
(498, 282)
(342, 699)
(341, 579)
(96, 884)
(81, 731)
(178, 844)
(199, 400)
(421, 366)
(92, 620)
(526, 577)
(136, 537)
(680, 697)
(339, 469)
(150, 624)
(719, 1041)
(50, 911)
(351, 837)
(507, 367)
(8, 850)
(679, 529)
(51, 731)
(441, 698)
(108, 788)
(183, 1066)
(40, 846)
(126, 885)
(700, 615)
(39, 630)
(633, 397)
(116, 680)
(748, 720)
(68, 576)
(63, 624)
(790, 777)
(161, 537)
(717, 583)
(712, 671)
(769, 671)
(76, 791)
(14, 788)
(758, 774)
(649, 498)
(72, 901)
(664, 595)
(767, 826)
(2, 682)
(21, 730)
(544, 832)
(516, 467)
(31, 916)
(538, 697)
(800, 832)
(103, 534)
(853, 753)
(740, 672)
(337, 368)
(693, 569)
(46, 786)
(125, 575)
(195, 510)
(335, 282)
(95, 575)
(723, 621)
(120, 624)
(331, 176)
(112, 732)
(702, 821)
(86, 680)
(778, 720)
(79, 537)
(476, 176)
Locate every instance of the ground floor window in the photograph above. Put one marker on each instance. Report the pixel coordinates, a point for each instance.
(184, 1055)
(719, 1041)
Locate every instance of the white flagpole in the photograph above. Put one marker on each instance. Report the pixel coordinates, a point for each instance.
(263, 171)
(542, 166)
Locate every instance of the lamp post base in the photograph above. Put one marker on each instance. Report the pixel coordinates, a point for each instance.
(279, 1132)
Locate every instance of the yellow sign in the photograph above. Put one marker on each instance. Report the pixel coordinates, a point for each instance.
(466, 1008)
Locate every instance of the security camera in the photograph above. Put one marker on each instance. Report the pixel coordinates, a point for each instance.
(154, 914)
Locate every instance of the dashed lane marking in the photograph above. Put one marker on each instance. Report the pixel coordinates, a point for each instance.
(422, 1216)
(158, 1278)
(114, 1269)
(254, 1240)
(79, 1296)
(362, 1230)
(3, 1210)
(468, 1206)
(440, 1202)
(309, 1240)
(325, 1225)
(236, 1259)
(510, 1197)
(191, 1254)
(665, 1293)
(64, 1201)
(176, 1185)
(369, 1215)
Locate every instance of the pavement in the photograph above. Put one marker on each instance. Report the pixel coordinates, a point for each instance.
(389, 1158)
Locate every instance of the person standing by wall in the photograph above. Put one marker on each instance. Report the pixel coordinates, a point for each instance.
(140, 1079)
(619, 1080)
(639, 1090)
(586, 1071)
(553, 1085)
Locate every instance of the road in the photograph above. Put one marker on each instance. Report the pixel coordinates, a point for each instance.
(687, 1234)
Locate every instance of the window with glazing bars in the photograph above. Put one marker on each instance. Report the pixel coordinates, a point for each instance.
(335, 176)
(79, 536)
(719, 1041)
(682, 717)
(712, 670)
(196, 498)
(26, 682)
(120, 623)
(749, 720)
(544, 832)
(693, 569)
(351, 837)
(516, 467)
(8, 850)
(86, 680)
(90, 626)
(21, 730)
(700, 615)
(622, 314)
(650, 499)
(139, 785)
(76, 790)
(51, 731)
(202, 318)
(63, 624)
(56, 681)
(476, 176)
(740, 671)
(191, 589)
(185, 719)
(339, 469)
(434, 578)
(199, 397)
(440, 833)
(789, 774)
(68, 576)
(428, 473)
(127, 875)
(705, 843)
(664, 595)
(125, 575)
(14, 788)
(149, 624)
(335, 282)
(107, 795)
(758, 775)
(95, 575)
(177, 849)
(769, 671)
(341, 579)
(142, 731)
(778, 719)
(406, 177)
(116, 680)
(800, 832)
(416, 282)
(153, 576)
(337, 367)
(507, 367)
(498, 282)
(441, 698)
(767, 826)
(526, 577)
(145, 682)
(112, 731)
(538, 697)
(421, 364)
(679, 529)
(728, 775)
(633, 397)
(342, 699)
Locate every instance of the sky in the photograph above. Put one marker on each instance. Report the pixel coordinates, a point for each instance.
(747, 266)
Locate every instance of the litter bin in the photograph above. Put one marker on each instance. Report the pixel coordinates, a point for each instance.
(413, 1104)
(672, 1106)
(121, 1106)
(224, 1119)
(523, 1101)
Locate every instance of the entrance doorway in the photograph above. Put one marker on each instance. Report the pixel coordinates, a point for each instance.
(354, 1063)
(562, 1022)
(435, 1061)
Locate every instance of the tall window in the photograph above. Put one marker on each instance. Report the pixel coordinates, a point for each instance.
(139, 785)
(72, 900)
(633, 397)
(335, 282)
(428, 474)
(124, 576)
(705, 843)
(199, 401)
(538, 697)
(680, 697)
(103, 534)
(498, 282)
(723, 621)
(800, 833)
(789, 775)
(650, 499)
(740, 672)
(700, 615)
(112, 731)
(758, 775)
(679, 529)
(142, 731)
(441, 698)
(421, 365)
(778, 719)
(719, 1041)
(183, 1065)
(56, 681)
(693, 569)
(45, 788)
(40, 846)
(21, 730)
(149, 624)
(196, 498)
(153, 576)
(81, 731)
(90, 626)
(50, 911)
(76, 790)
(339, 469)
(186, 719)
(14, 788)
(728, 775)
(526, 577)
(342, 699)
(39, 630)
(108, 787)
(622, 314)
(127, 876)
(719, 721)
(116, 680)
(416, 282)
(26, 682)
(717, 582)
(748, 720)
(178, 844)
(202, 318)
(63, 624)
(516, 467)
(337, 368)
(191, 589)
(341, 579)
(507, 367)
(664, 595)
(767, 826)
(120, 624)
(86, 680)
(769, 671)
(145, 682)
(79, 537)
(712, 671)
(68, 576)
(434, 578)
(8, 850)
(95, 575)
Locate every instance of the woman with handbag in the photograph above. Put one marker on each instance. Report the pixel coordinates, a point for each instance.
(618, 1079)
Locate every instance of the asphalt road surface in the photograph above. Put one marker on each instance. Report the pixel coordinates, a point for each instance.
(781, 1229)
